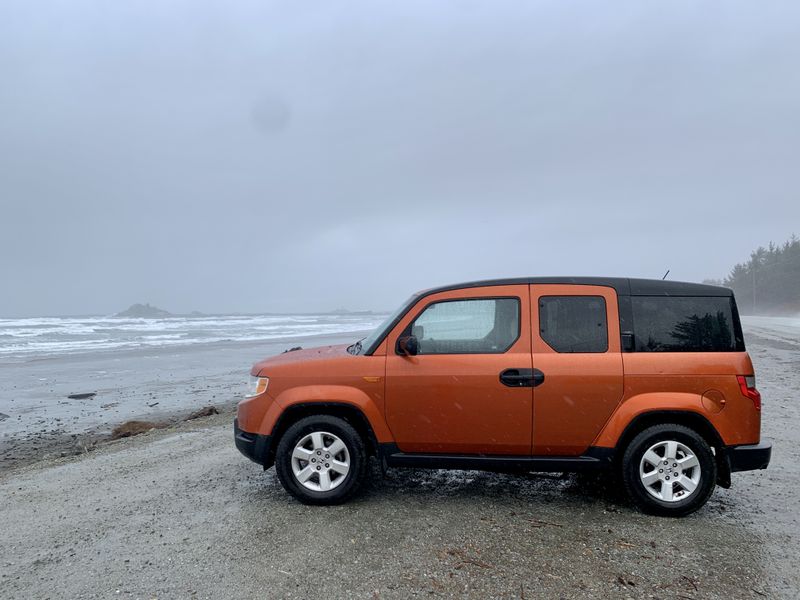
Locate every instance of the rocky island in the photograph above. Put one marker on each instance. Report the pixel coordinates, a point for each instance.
(144, 311)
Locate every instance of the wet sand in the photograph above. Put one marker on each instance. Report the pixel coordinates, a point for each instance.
(155, 384)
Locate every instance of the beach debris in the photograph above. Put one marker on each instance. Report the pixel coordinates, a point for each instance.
(464, 559)
(84, 447)
(109, 405)
(3, 416)
(153, 404)
(625, 581)
(82, 396)
(540, 523)
(206, 411)
(131, 428)
(292, 349)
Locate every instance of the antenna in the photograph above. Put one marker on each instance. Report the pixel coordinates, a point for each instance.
(665, 275)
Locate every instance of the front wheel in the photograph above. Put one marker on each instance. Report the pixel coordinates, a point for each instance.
(669, 470)
(321, 460)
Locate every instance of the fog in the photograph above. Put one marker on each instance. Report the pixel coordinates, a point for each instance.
(254, 156)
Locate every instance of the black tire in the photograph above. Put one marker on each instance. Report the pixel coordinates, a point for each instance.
(635, 487)
(351, 482)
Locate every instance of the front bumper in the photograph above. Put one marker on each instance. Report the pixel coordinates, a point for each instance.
(254, 446)
(749, 458)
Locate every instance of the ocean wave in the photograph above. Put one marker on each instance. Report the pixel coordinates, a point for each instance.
(49, 336)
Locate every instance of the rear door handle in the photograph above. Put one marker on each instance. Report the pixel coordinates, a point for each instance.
(521, 377)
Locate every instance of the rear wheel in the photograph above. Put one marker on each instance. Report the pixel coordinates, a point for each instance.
(669, 470)
(321, 460)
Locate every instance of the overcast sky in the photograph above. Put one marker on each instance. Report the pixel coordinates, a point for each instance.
(258, 156)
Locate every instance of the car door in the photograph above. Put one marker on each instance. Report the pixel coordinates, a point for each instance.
(467, 390)
(576, 356)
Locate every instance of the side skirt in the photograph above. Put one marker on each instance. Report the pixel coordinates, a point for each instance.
(594, 458)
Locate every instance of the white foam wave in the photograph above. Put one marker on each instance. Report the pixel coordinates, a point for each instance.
(49, 336)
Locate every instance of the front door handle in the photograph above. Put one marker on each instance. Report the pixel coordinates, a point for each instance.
(521, 377)
(517, 377)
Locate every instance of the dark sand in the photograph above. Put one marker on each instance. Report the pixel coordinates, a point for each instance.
(153, 384)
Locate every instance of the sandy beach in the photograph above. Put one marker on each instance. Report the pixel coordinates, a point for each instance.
(160, 384)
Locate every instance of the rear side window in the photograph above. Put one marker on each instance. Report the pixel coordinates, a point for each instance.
(574, 323)
(470, 326)
(685, 324)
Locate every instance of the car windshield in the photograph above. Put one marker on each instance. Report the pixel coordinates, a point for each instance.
(364, 345)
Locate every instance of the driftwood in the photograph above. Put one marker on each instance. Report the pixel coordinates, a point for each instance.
(131, 428)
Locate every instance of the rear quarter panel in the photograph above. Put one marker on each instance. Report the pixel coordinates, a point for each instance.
(699, 382)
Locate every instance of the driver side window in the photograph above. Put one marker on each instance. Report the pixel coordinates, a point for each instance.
(469, 326)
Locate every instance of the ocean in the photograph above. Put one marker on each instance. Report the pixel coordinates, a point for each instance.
(45, 337)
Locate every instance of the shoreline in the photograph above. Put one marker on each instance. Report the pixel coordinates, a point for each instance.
(219, 345)
(150, 384)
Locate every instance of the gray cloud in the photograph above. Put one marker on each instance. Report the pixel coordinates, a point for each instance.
(270, 156)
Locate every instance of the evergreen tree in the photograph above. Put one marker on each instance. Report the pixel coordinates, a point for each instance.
(770, 281)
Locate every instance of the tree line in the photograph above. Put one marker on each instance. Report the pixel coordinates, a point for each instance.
(770, 281)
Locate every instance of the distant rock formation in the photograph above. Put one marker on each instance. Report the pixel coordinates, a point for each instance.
(144, 311)
(344, 311)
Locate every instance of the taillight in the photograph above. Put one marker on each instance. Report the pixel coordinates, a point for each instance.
(747, 383)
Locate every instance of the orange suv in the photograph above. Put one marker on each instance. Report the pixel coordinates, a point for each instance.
(649, 379)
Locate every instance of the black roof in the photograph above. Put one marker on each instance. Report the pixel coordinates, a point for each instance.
(624, 286)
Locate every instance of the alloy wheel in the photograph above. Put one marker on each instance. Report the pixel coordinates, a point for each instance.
(320, 461)
(670, 471)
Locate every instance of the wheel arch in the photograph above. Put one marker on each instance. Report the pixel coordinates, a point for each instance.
(349, 413)
(687, 418)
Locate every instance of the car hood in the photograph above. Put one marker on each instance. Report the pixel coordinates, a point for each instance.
(299, 356)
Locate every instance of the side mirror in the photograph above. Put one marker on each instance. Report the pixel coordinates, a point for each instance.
(408, 345)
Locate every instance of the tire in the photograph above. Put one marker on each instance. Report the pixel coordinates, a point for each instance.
(670, 488)
(311, 457)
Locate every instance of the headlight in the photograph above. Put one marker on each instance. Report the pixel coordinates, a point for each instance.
(258, 385)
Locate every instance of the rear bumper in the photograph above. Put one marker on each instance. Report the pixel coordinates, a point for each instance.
(750, 458)
(254, 446)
